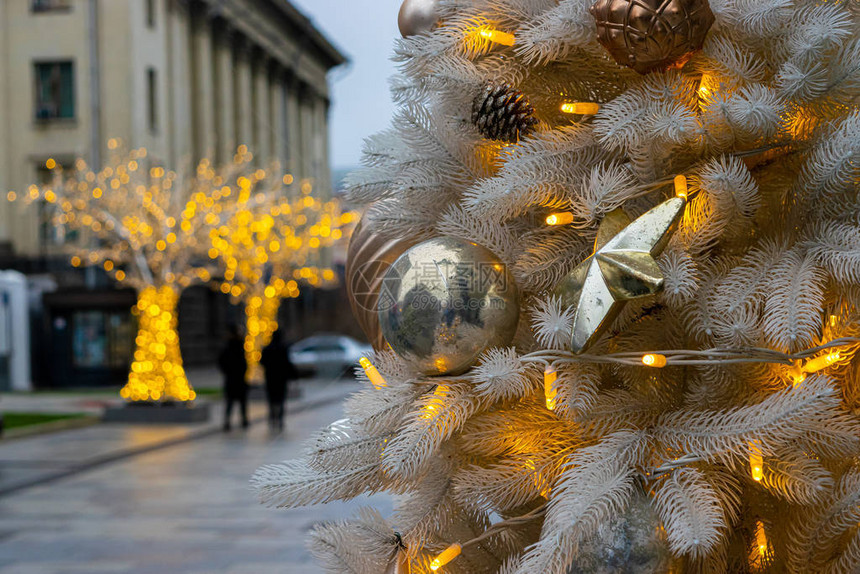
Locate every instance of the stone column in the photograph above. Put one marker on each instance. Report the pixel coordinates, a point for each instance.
(243, 93)
(180, 83)
(277, 100)
(305, 158)
(203, 93)
(294, 133)
(261, 112)
(325, 142)
(225, 126)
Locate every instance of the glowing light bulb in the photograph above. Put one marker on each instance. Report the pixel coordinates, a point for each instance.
(562, 218)
(819, 363)
(550, 375)
(375, 377)
(580, 108)
(654, 360)
(496, 36)
(681, 186)
(756, 462)
(703, 90)
(445, 557)
(761, 538)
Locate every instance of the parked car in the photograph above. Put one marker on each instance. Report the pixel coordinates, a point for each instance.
(327, 354)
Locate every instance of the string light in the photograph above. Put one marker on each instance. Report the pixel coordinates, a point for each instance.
(580, 108)
(497, 36)
(376, 379)
(820, 363)
(681, 186)
(562, 218)
(761, 540)
(654, 360)
(756, 461)
(445, 557)
(550, 375)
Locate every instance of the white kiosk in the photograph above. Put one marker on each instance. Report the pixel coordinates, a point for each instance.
(14, 332)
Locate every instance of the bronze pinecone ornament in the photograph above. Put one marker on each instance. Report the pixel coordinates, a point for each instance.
(502, 112)
(649, 35)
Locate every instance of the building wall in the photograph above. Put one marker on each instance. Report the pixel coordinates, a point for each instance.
(227, 72)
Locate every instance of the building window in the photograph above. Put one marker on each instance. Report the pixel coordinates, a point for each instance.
(50, 5)
(152, 98)
(55, 90)
(150, 13)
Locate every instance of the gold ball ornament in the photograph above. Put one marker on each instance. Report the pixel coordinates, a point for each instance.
(649, 35)
(417, 17)
(369, 256)
(444, 302)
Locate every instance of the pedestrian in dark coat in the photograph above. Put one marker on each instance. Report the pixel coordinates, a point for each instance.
(278, 370)
(234, 366)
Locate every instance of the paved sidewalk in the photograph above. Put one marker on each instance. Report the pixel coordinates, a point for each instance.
(182, 509)
(35, 460)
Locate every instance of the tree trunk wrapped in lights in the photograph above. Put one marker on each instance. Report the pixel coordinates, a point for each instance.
(157, 371)
(685, 375)
(268, 246)
(150, 230)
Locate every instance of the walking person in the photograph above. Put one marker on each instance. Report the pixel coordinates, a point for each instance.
(234, 366)
(278, 371)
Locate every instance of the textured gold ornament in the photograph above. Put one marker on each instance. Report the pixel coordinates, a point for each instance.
(649, 35)
(622, 268)
(417, 17)
(444, 302)
(369, 257)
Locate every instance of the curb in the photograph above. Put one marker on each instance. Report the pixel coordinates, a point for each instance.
(51, 427)
(132, 452)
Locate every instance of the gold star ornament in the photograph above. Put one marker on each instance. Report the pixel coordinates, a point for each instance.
(622, 268)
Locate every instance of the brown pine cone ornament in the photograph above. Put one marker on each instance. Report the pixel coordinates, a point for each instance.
(502, 112)
(649, 35)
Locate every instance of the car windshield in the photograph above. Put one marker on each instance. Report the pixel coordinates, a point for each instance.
(320, 347)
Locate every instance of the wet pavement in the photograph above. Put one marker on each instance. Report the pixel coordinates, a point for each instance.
(179, 509)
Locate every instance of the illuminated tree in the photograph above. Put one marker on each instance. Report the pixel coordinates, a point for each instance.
(147, 228)
(271, 246)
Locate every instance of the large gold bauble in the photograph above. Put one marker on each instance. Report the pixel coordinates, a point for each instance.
(368, 258)
(417, 16)
(444, 302)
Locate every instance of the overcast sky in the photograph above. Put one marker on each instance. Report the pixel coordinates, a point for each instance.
(365, 31)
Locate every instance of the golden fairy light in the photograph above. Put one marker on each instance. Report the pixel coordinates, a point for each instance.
(756, 461)
(561, 218)
(654, 360)
(445, 557)
(376, 379)
(550, 375)
(681, 189)
(497, 36)
(580, 108)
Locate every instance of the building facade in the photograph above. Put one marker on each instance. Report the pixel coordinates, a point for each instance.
(186, 79)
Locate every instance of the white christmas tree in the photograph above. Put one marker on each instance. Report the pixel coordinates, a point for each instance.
(682, 393)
